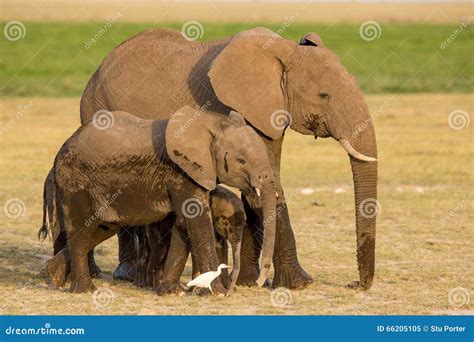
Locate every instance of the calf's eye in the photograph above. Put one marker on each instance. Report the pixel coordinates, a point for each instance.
(241, 161)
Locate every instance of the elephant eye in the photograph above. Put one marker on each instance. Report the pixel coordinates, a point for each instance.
(324, 94)
(241, 161)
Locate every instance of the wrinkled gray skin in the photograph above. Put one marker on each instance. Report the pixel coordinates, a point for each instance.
(260, 75)
(103, 181)
(228, 218)
(52, 219)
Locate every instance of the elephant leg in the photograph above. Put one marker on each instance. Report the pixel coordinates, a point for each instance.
(159, 238)
(127, 255)
(59, 267)
(94, 270)
(288, 272)
(61, 242)
(81, 280)
(140, 271)
(175, 261)
(80, 242)
(222, 251)
(252, 237)
(156, 267)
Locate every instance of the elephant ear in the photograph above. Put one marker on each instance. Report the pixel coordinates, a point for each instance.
(311, 39)
(247, 76)
(189, 135)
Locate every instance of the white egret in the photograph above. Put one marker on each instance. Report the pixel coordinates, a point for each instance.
(204, 280)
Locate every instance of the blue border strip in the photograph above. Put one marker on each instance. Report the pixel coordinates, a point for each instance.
(238, 328)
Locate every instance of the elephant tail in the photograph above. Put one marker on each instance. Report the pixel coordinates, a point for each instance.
(50, 224)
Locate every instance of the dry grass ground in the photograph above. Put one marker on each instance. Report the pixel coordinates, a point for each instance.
(426, 172)
(231, 12)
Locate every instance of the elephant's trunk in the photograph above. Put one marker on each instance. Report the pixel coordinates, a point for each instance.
(236, 264)
(366, 206)
(269, 228)
(364, 173)
(357, 137)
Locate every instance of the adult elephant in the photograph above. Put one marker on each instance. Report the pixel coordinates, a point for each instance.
(264, 77)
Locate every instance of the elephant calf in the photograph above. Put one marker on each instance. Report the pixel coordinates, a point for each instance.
(136, 172)
(161, 267)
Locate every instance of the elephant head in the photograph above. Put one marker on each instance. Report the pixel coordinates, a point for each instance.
(275, 83)
(212, 148)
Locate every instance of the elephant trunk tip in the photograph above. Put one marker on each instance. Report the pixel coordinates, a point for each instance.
(263, 275)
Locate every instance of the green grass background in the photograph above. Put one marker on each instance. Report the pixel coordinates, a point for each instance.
(51, 60)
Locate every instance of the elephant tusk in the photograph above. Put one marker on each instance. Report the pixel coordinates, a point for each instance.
(351, 150)
(257, 190)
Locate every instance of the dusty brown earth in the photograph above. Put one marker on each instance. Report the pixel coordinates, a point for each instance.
(425, 227)
(231, 12)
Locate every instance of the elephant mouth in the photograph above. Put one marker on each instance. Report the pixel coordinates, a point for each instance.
(320, 128)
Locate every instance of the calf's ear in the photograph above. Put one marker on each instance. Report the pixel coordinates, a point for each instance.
(189, 135)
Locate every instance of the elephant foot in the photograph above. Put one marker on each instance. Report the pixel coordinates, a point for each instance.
(291, 276)
(249, 279)
(81, 286)
(218, 288)
(125, 271)
(58, 268)
(359, 286)
(140, 281)
(95, 271)
(140, 274)
(225, 279)
(165, 288)
(248, 276)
